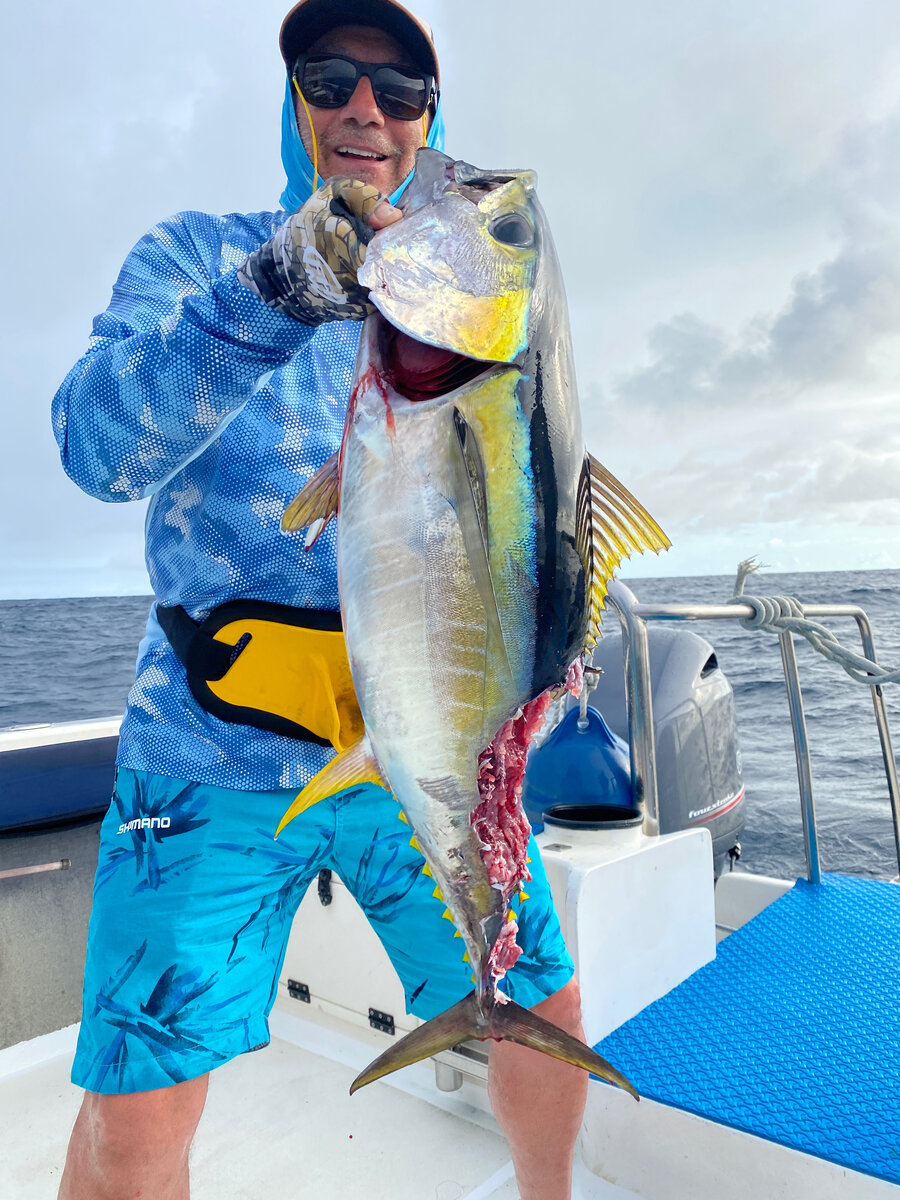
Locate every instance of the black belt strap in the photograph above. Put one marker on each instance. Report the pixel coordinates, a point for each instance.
(197, 649)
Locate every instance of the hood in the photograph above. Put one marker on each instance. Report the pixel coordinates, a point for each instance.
(299, 169)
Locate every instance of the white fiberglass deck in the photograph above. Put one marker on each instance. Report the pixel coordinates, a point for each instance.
(280, 1122)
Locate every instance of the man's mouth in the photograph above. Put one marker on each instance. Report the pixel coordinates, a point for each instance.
(359, 153)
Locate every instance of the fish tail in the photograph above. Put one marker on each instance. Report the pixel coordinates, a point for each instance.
(512, 1023)
(502, 1022)
(464, 1020)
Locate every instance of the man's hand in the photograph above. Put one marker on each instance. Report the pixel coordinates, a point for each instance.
(308, 269)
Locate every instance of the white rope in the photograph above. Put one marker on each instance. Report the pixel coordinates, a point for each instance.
(782, 614)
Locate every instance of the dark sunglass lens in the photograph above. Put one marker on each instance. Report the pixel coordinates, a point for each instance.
(328, 82)
(400, 95)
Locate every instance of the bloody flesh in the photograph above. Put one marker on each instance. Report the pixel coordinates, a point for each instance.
(499, 820)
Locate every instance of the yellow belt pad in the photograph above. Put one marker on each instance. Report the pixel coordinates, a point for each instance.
(297, 673)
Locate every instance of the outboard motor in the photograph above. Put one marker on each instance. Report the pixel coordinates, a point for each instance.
(698, 759)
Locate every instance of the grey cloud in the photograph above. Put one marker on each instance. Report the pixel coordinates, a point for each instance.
(784, 478)
(835, 327)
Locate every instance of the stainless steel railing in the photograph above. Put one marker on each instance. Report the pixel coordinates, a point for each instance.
(634, 617)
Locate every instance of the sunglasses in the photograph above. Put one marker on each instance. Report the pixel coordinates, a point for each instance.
(329, 80)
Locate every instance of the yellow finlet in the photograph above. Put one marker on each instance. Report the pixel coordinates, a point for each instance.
(414, 842)
(456, 933)
(352, 767)
(437, 893)
(523, 896)
(510, 915)
(403, 817)
(426, 870)
(465, 957)
(447, 915)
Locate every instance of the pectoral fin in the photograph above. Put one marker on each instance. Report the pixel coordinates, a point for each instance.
(611, 525)
(316, 502)
(472, 514)
(355, 766)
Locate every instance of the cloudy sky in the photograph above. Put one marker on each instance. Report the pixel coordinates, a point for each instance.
(723, 181)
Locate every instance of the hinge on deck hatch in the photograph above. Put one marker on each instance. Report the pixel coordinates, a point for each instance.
(299, 991)
(381, 1020)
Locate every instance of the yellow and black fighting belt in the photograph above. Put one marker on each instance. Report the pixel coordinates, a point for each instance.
(279, 668)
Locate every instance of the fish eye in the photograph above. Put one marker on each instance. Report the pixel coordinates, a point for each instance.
(512, 229)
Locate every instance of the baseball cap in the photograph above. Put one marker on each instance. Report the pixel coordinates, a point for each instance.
(311, 19)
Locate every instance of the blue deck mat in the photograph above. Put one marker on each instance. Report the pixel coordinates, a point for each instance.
(792, 1033)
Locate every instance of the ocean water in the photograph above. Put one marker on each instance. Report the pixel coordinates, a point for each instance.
(72, 659)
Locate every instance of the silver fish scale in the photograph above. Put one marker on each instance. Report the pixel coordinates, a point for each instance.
(409, 599)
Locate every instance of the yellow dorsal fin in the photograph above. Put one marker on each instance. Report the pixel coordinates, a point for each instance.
(611, 525)
(353, 766)
(317, 501)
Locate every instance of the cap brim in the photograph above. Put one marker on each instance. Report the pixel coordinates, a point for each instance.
(311, 19)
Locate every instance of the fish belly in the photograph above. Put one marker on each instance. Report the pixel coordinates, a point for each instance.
(417, 642)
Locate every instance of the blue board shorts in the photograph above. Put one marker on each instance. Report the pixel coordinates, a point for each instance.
(193, 904)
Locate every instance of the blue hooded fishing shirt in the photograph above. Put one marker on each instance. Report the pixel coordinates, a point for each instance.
(197, 394)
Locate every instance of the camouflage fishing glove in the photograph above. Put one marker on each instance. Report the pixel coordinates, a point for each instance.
(308, 269)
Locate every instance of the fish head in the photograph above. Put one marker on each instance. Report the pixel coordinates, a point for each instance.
(458, 272)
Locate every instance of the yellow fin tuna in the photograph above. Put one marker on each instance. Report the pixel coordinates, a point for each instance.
(476, 539)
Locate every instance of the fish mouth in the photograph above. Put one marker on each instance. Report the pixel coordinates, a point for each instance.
(418, 370)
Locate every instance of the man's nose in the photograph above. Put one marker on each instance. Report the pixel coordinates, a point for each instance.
(362, 107)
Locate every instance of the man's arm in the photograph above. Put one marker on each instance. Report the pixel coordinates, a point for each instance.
(175, 354)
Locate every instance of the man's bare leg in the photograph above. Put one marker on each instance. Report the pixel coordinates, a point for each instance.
(126, 1147)
(539, 1103)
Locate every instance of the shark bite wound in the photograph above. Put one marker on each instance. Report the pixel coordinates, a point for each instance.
(501, 824)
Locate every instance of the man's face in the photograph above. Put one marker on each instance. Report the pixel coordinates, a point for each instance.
(347, 137)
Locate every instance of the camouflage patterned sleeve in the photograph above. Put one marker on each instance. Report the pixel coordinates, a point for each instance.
(179, 351)
(308, 269)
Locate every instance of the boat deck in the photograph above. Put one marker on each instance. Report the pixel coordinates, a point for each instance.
(792, 1033)
(277, 1123)
(281, 1122)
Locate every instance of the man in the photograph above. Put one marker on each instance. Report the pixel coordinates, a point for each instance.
(216, 382)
